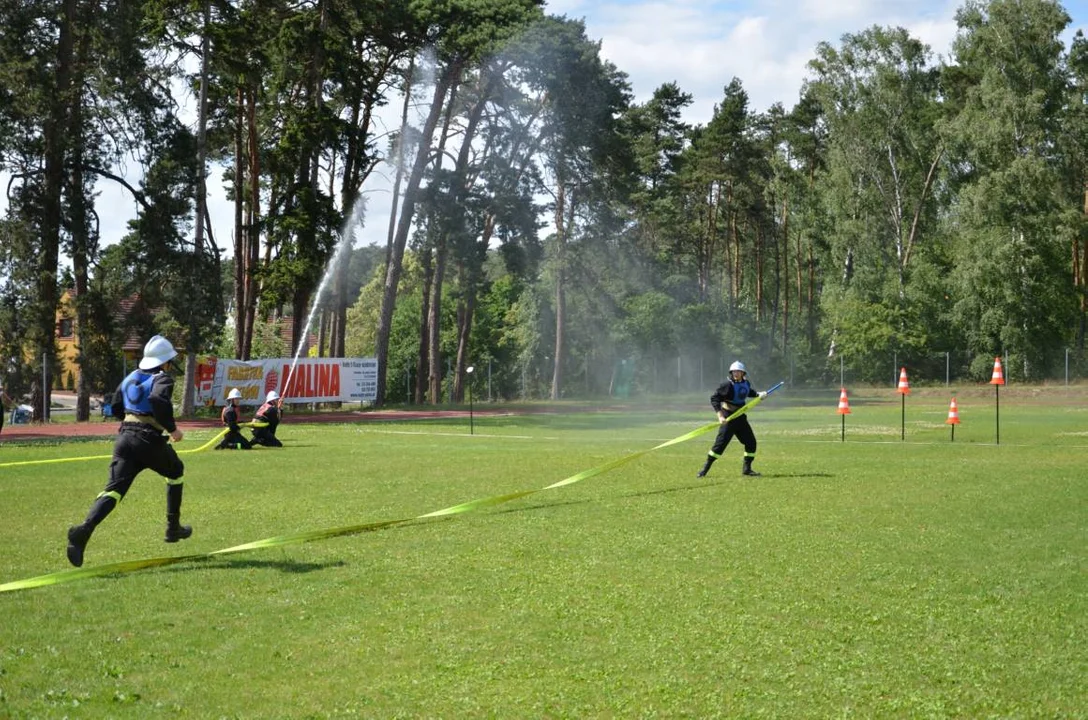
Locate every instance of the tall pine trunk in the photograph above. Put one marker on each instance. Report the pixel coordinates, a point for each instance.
(560, 288)
(433, 317)
(77, 200)
(241, 254)
(54, 136)
(188, 397)
(395, 265)
(253, 219)
(423, 357)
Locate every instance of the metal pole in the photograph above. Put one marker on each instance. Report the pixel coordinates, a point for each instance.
(997, 414)
(45, 390)
(842, 372)
(489, 379)
(895, 369)
(947, 368)
(1067, 366)
(471, 424)
(903, 426)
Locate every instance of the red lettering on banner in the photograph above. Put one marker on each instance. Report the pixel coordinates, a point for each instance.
(312, 380)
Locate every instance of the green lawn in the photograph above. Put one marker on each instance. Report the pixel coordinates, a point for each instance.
(871, 578)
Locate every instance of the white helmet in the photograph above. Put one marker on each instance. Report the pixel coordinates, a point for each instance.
(272, 395)
(235, 393)
(738, 365)
(157, 353)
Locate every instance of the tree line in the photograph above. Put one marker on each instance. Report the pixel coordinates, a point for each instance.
(543, 221)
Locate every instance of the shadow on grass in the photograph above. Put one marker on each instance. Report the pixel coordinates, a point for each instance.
(724, 480)
(293, 567)
(647, 493)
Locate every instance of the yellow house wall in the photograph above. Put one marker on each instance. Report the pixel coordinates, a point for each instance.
(66, 346)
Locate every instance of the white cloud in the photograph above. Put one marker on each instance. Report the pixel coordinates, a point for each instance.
(702, 45)
(831, 11)
(699, 44)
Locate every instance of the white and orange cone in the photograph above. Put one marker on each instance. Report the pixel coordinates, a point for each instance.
(844, 410)
(998, 378)
(953, 418)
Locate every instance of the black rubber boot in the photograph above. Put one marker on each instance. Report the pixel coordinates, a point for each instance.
(174, 529)
(80, 535)
(706, 468)
(748, 468)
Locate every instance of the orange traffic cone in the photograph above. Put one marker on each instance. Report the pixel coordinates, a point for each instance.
(953, 414)
(904, 384)
(953, 418)
(844, 410)
(997, 380)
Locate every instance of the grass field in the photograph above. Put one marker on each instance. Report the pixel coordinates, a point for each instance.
(873, 578)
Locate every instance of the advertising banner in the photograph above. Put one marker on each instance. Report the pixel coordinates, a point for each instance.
(310, 380)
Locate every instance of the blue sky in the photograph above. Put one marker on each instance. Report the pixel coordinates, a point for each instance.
(703, 44)
(699, 44)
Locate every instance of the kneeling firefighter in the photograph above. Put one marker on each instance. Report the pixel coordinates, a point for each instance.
(231, 416)
(269, 417)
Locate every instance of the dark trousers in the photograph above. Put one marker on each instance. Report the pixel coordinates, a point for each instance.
(138, 448)
(264, 436)
(739, 428)
(234, 437)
